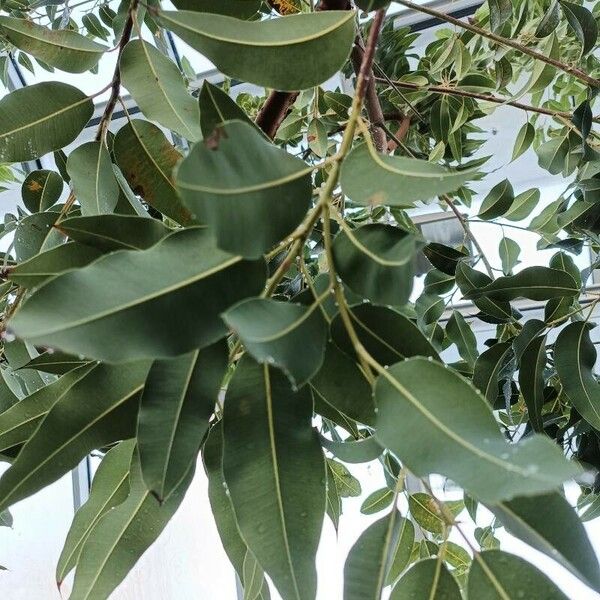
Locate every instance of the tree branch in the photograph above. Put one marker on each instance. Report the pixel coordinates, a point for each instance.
(574, 71)
(452, 91)
(116, 81)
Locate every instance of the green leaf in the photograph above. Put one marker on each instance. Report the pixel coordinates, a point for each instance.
(40, 118)
(463, 439)
(317, 137)
(401, 554)
(509, 252)
(444, 257)
(487, 370)
(158, 88)
(549, 524)
(273, 331)
(100, 410)
(371, 179)
(524, 139)
(121, 536)
(360, 451)
(500, 13)
(35, 232)
(162, 285)
(341, 384)
(109, 489)
(278, 490)
(94, 27)
(583, 23)
(253, 577)
(368, 5)
(549, 21)
(242, 9)
(498, 201)
(377, 501)
(41, 190)
(387, 335)
(460, 333)
(217, 107)
(348, 486)
(369, 558)
(6, 520)
(532, 381)
(575, 357)
(147, 160)
(64, 49)
(535, 283)
(376, 261)
(523, 205)
(508, 576)
(427, 578)
(20, 421)
(114, 232)
(250, 192)
(334, 500)
(429, 308)
(261, 52)
(426, 513)
(45, 265)
(94, 183)
(178, 400)
(57, 363)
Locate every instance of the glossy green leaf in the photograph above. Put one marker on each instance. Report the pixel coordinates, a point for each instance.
(57, 363)
(169, 279)
(369, 558)
(549, 524)
(121, 536)
(497, 202)
(377, 501)
(583, 24)
(249, 191)
(463, 439)
(217, 107)
(509, 252)
(273, 331)
(427, 578)
(64, 49)
(114, 232)
(178, 399)
(110, 488)
(487, 370)
(278, 490)
(508, 576)
(524, 139)
(459, 332)
(261, 52)
(371, 179)
(158, 88)
(341, 384)
(376, 261)
(386, 334)
(532, 380)
(444, 258)
(147, 160)
(575, 357)
(523, 205)
(41, 190)
(549, 21)
(535, 283)
(100, 410)
(242, 9)
(40, 118)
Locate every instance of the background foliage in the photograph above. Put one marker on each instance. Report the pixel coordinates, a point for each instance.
(247, 293)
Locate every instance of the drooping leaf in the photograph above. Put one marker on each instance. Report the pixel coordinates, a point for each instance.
(348, 486)
(278, 490)
(158, 88)
(549, 524)
(121, 536)
(488, 368)
(261, 52)
(428, 578)
(583, 24)
(376, 261)
(508, 576)
(41, 190)
(109, 489)
(386, 334)
(575, 357)
(369, 559)
(217, 107)
(178, 399)
(401, 553)
(170, 278)
(532, 380)
(460, 333)
(463, 439)
(40, 118)
(509, 252)
(371, 179)
(250, 192)
(147, 160)
(535, 283)
(273, 331)
(114, 232)
(61, 48)
(100, 410)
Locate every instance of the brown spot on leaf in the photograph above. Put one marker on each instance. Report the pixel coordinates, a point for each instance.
(213, 140)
